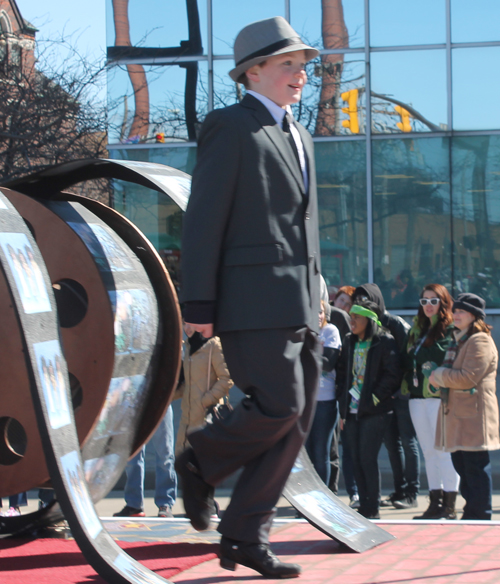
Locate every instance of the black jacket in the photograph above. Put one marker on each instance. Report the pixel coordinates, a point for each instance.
(250, 231)
(383, 375)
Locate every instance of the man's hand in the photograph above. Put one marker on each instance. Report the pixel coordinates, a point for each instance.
(207, 330)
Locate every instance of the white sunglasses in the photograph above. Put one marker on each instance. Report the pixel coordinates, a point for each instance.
(432, 301)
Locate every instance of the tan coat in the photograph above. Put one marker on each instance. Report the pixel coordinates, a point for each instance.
(471, 420)
(206, 382)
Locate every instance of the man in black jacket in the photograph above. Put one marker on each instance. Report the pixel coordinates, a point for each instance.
(400, 438)
(250, 266)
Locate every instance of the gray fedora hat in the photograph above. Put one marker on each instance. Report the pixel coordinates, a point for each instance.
(266, 38)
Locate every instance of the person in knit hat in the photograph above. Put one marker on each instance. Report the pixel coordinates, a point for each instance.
(468, 417)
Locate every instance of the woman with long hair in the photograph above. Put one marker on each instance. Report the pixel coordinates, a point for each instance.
(428, 340)
(468, 418)
(368, 376)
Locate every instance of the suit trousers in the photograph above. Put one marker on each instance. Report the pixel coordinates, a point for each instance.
(278, 371)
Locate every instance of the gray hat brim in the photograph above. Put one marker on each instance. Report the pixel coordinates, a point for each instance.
(238, 71)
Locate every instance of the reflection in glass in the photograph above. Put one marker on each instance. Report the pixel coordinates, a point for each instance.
(156, 215)
(415, 80)
(476, 216)
(227, 20)
(475, 22)
(476, 86)
(226, 91)
(341, 174)
(411, 217)
(153, 104)
(394, 23)
(330, 77)
(155, 23)
(329, 24)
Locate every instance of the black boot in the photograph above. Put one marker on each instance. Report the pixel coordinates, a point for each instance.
(449, 500)
(435, 508)
(257, 556)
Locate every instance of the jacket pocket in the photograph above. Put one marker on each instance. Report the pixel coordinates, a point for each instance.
(466, 404)
(254, 255)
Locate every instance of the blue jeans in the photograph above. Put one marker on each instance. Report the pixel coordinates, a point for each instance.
(166, 477)
(18, 500)
(401, 442)
(364, 438)
(476, 485)
(320, 437)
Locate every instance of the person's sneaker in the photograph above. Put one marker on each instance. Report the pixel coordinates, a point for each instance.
(164, 511)
(128, 511)
(389, 501)
(354, 502)
(406, 502)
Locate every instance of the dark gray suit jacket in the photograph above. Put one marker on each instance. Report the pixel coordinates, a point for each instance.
(250, 246)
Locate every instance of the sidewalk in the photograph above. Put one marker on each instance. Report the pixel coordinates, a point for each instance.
(114, 502)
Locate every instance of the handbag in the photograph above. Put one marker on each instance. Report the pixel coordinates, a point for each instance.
(222, 408)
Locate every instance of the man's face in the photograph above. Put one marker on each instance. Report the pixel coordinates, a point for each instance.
(281, 78)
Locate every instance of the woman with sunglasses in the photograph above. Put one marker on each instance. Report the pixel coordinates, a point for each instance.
(428, 340)
(468, 418)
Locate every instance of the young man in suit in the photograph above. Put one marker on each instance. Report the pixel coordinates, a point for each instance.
(251, 265)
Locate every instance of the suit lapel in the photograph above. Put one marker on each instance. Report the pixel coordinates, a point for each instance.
(277, 137)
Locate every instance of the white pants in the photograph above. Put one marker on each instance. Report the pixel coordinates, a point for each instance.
(441, 473)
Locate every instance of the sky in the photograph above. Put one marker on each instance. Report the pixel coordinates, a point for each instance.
(84, 21)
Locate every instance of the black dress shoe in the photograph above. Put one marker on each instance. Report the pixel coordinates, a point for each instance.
(198, 495)
(257, 556)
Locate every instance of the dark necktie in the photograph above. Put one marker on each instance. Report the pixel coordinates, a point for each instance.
(287, 122)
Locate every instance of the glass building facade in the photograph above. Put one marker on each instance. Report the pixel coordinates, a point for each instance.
(399, 103)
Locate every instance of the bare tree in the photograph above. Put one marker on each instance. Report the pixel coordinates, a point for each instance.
(51, 111)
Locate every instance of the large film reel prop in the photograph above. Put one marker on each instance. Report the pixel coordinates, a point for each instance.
(314, 500)
(35, 309)
(120, 327)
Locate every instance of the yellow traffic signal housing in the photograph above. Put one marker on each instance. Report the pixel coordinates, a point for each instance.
(352, 123)
(404, 125)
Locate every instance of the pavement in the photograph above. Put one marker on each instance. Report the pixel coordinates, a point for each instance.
(114, 502)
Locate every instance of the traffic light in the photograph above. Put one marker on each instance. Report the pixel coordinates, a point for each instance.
(160, 138)
(404, 125)
(352, 123)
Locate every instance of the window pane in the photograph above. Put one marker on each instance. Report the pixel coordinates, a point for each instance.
(228, 19)
(393, 22)
(415, 79)
(226, 91)
(476, 216)
(330, 76)
(154, 213)
(329, 24)
(475, 22)
(155, 23)
(476, 86)
(169, 100)
(341, 174)
(411, 217)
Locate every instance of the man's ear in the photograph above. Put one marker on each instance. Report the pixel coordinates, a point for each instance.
(253, 74)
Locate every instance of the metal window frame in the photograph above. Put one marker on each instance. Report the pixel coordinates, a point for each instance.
(368, 137)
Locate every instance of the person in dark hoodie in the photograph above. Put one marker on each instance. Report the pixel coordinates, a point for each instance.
(400, 438)
(368, 375)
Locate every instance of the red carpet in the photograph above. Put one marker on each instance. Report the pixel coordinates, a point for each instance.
(60, 561)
